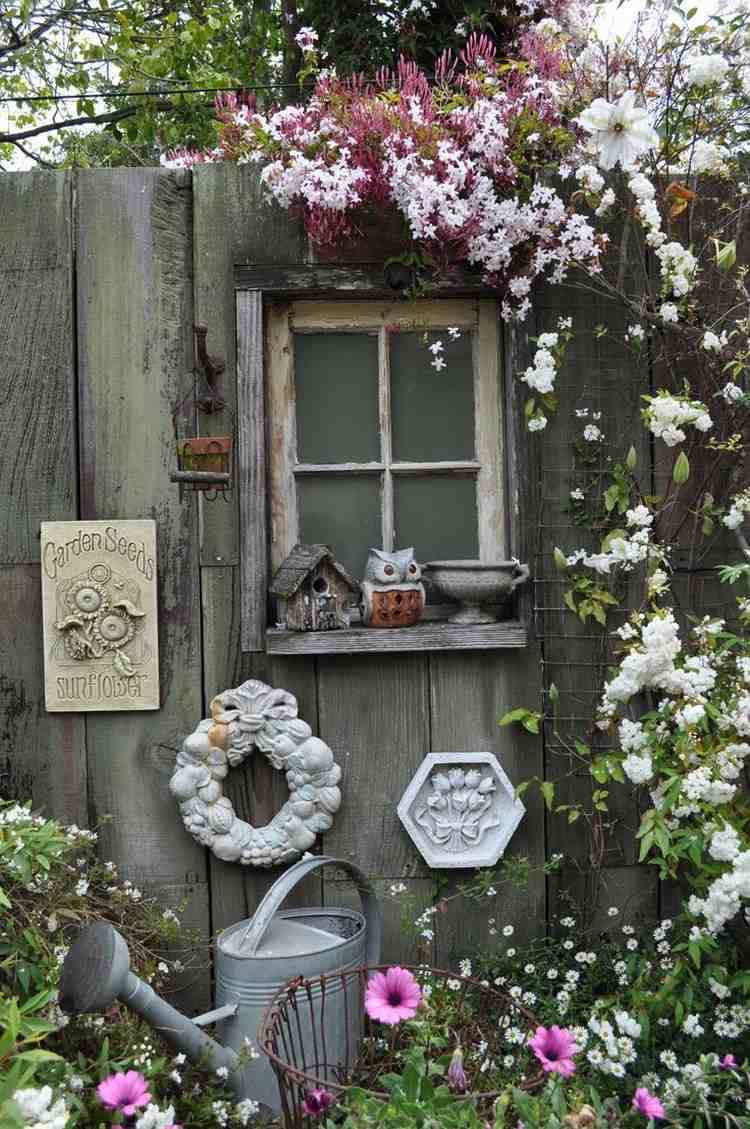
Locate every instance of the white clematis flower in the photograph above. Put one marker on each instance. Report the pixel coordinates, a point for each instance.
(619, 129)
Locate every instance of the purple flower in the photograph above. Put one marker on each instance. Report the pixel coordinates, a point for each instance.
(457, 1080)
(729, 1062)
(648, 1104)
(317, 1102)
(392, 996)
(124, 1091)
(555, 1047)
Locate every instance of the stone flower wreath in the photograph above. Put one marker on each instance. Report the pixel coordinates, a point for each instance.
(255, 716)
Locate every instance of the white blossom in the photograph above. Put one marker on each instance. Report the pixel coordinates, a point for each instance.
(620, 130)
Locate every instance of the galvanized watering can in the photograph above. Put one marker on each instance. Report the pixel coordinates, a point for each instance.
(254, 958)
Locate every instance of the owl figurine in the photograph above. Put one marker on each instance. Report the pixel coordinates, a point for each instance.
(392, 595)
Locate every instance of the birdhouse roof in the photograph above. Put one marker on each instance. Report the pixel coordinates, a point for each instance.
(298, 566)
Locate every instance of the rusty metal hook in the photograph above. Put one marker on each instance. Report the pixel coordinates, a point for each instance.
(212, 368)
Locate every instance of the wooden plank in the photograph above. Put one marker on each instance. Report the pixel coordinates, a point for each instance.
(425, 636)
(251, 469)
(401, 944)
(36, 220)
(42, 755)
(490, 437)
(311, 316)
(37, 407)
(256, 790)
(375, 716)
(364, 280)
(468, 696)
(234, 221)
(588, 895)
(134, 347)
(598, 375)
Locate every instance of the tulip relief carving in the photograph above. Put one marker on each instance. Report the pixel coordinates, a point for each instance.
(460, 809)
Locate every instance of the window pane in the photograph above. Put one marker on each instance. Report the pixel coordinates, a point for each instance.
(343, 511)
(336, 383)
(437, 514)
(432, 412)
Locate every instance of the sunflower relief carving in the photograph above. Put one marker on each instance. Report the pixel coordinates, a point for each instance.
(101, 615)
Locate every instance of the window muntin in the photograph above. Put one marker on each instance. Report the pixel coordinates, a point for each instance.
(370, 445)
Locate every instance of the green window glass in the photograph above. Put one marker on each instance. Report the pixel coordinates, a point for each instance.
(341, 510)
(336, 389)
(432, 412)
(437, 514)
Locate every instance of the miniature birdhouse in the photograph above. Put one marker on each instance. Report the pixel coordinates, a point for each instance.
(313, 591)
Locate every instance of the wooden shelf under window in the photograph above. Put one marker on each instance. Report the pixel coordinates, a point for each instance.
(426, 636)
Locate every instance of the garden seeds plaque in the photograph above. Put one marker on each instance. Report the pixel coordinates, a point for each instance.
(99, 604)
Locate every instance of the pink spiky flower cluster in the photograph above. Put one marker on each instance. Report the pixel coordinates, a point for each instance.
(459, 158)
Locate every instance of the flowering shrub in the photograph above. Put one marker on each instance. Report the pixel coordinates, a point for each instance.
(459, 159)
(57, 1071)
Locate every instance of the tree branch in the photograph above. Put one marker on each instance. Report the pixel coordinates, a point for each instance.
(33, 156)
(88, 119)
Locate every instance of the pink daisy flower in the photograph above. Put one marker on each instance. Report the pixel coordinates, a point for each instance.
(124, 1091)
(729, 1062)
(392, 996)
(648, 1104)
(555, 1047)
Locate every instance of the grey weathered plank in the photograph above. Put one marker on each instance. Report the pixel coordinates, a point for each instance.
(426, 636)
(233, 222)
(374, 713)
(401, 944)
(134, 347)
(599, 375)
(588, 895)
(37, 408)
(366, 280)
(256, 790)
(42, 755)
(251, 469)
(468, 696)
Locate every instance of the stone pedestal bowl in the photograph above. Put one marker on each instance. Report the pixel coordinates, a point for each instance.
(476, 585)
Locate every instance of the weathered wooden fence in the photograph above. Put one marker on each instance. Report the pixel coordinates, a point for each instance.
(102, 276)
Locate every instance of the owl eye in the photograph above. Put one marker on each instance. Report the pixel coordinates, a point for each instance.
(389, 570)
(412, 568)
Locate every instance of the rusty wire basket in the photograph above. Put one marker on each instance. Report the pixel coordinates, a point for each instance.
(317, 1035)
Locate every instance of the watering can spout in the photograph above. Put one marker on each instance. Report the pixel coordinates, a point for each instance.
(96, 973)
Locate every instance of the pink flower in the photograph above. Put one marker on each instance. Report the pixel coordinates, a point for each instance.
(124, 1091)
(729, 1062)
(648, 1104)
(555, 1047)
(317, 1102)
(392, 996)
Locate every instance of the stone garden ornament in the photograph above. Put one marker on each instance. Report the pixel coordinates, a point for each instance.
(460, 810)
(255, 716)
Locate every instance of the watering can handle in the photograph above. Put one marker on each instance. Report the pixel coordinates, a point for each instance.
(286, 883)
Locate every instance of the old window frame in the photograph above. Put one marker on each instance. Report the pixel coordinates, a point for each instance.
(477, 316)
(256, 287)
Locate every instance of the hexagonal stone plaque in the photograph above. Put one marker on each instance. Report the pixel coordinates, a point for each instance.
(460, 810)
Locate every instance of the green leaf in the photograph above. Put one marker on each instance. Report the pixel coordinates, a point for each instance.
(681, 469)
(631, 459)
(726, 254)
(513, 715)
(547, 788)
(561, 561)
